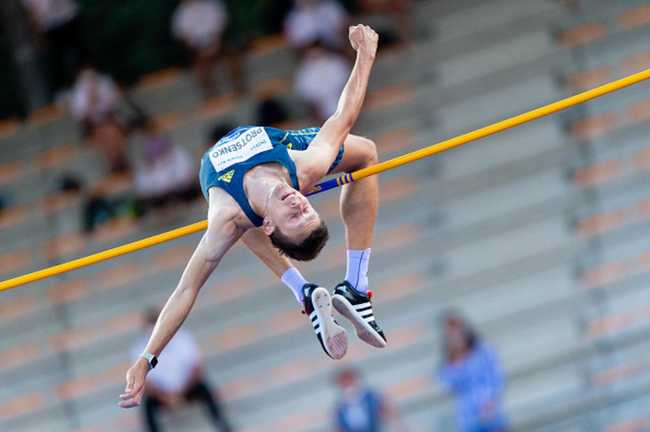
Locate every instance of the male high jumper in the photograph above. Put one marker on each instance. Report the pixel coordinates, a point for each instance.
(254, 179)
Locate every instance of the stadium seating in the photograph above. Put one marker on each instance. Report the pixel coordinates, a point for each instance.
(539, 235)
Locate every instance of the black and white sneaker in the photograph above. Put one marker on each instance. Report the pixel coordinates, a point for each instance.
(356, 307)
(318, 307)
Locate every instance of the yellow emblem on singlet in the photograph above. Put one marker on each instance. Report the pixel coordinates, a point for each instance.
(227, 177)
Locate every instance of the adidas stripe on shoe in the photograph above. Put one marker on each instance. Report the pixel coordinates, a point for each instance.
(318, 307)
(357, 308)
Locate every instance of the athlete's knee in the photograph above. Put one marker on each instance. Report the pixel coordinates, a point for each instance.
(369, 151)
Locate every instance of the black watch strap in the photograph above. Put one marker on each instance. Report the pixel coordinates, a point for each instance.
(151, 359)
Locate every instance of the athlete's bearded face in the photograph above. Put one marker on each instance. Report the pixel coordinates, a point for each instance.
(290, 211)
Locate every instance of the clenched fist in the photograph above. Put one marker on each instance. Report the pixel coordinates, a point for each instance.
(364, 39)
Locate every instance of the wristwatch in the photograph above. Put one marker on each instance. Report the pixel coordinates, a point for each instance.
(151, 359)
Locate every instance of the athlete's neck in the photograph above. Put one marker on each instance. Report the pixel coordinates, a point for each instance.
(258, 185)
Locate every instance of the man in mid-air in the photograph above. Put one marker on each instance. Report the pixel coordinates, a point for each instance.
(254, 179)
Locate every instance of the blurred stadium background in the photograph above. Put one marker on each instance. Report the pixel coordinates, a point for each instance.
(539, 236)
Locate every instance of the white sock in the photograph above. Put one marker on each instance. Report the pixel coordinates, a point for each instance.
(295, 281)
(357, 269)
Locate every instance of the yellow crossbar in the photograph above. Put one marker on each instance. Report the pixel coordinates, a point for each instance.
(357, 175)
(503, 125)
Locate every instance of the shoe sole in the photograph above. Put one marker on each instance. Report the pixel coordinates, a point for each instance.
(364, 331)
(334, 336)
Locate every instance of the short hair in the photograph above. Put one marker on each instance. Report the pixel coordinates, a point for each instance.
(472, 338)
(306, 250)
(347, 375)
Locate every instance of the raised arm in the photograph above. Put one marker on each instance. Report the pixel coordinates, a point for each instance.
(221, 234)
(315, 161)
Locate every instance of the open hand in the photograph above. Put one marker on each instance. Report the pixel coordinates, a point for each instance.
(134, 390)
(364, 39)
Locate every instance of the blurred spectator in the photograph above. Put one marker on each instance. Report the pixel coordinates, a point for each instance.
(271, 112)
(167, 173)
(111, 140)
(95, 97)
(59, 24)
(97, 207)
(94, 102)
(178, 378)
(97, 210)
(2, 205)
(471, 371)
(360, 408)
(320, 78)
(316, 20)
(200, 24)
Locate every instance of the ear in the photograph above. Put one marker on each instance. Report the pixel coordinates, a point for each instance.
(267, 226)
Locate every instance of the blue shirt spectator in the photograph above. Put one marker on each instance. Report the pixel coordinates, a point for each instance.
(472, 372)
(360, 414)
(360, 408)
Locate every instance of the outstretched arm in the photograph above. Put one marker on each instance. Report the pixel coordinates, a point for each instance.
(221, 234)
(316, 160)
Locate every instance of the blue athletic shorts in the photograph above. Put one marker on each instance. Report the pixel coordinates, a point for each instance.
(299, 139)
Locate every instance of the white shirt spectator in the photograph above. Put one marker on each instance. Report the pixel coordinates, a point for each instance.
(172, 171)
(50, 14)
(320, 80)
(199, 22)
(177, 362)
(94, 97)
(313, 20)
